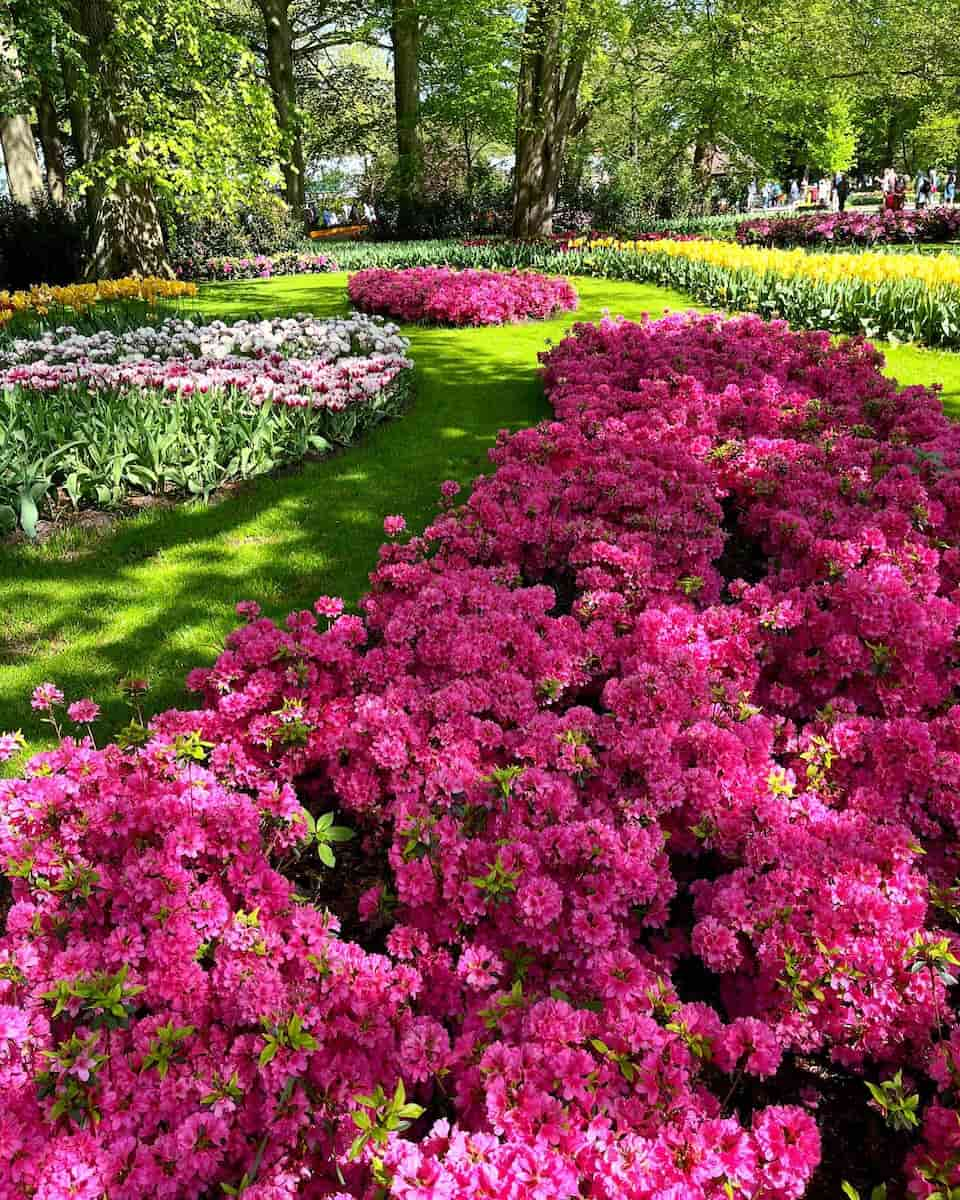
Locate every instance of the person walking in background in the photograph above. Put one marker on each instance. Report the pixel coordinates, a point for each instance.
(794, 193)
(922, 189)
(843, 191)
(900, 193)
(888, 186)
(826, 192)
(950, 188)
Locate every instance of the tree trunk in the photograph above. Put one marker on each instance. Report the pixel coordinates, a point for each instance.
(49, 128)
(20, 156)
(126, 235)
(276, 18)
(405, 38)
(16, 136)
(546, 115)
(78, 110)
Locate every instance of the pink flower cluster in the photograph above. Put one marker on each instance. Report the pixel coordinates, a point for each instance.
(654, 749)
(852, 228)
(443, 296)
(295, 382)
(257, 266)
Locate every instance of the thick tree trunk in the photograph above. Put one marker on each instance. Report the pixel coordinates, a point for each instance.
(126, 234)
(276, 18)
(405, 38)
(16, 135)
(49, 128)
(20, 156)
(546, 115)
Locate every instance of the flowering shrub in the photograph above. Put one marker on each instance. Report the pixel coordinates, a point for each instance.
(258, 266)
(852, 228)
(653, 748)
(184, 407)
(442, 296)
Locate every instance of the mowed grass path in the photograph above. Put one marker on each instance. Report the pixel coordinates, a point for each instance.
(155, 595)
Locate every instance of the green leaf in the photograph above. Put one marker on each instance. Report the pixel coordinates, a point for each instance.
(29, 514)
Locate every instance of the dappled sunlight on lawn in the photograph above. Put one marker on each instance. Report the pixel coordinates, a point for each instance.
(155, 594)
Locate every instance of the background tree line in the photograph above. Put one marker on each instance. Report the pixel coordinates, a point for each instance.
(149, 113)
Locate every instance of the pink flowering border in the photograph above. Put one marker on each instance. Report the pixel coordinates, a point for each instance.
(443, 296)
(668, 698)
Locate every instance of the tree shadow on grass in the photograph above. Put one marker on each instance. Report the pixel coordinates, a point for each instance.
(154, 595)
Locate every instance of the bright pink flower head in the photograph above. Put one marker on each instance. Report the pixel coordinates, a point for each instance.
(45, 696)
(392, 526)
(248, 609)
(328, 606)
(449, 488)
(83, 711)
(10, 744)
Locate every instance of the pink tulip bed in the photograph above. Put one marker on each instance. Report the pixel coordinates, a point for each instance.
(443, 296)
(184, 408)
(257, 266)
(852, 228)
(652, 752)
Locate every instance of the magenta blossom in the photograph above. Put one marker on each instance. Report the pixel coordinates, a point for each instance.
(83, 711)
(328, 606)
(45, 696)
(10, 744)
(393, 526)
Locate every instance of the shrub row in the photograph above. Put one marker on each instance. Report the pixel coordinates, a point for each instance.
(654, 749)
(182, 409)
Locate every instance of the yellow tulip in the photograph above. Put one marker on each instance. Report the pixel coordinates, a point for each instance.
(933, 270)
(81, 296)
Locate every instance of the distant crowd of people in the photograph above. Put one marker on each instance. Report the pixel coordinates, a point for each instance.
(328, 216)
(928, 188)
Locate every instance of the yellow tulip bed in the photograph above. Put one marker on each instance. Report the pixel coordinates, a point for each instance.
(940, 270)
(79, 298)
(913, 297)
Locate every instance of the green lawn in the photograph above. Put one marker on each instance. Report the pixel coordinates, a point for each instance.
(155, 595)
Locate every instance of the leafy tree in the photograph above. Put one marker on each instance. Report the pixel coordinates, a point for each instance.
(16, 136)
(164, 104)
(469, 77)
(348, 107)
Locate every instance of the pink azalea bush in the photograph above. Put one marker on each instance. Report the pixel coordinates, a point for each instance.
(653, 748)
(443, 296)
